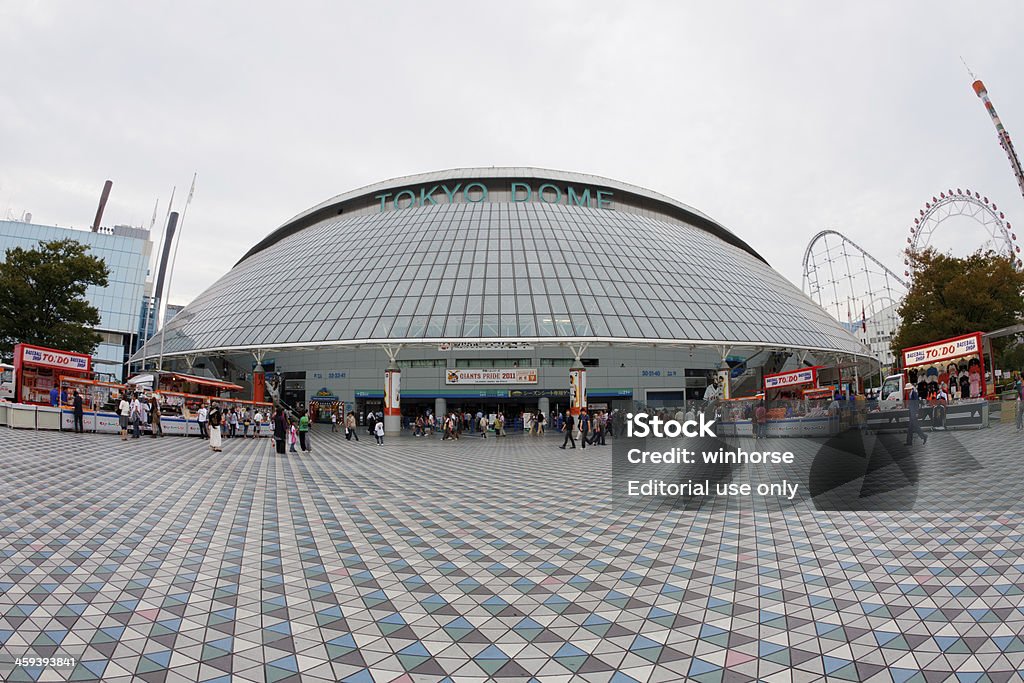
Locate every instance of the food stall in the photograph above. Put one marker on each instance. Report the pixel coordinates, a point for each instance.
(177, 410)
(798, 405)
(37, 373)
(181, 383)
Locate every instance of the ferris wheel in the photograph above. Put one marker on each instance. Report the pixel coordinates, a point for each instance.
(949, 204)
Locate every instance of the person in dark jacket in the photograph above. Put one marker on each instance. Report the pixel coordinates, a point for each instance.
(914, 426)
(280, 430)
(79, 413)
(567, 427)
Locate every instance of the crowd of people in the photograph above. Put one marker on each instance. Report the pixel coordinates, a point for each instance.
(139, 414)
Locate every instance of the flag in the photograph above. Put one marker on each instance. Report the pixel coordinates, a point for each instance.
(192, 190)
(863, 319)
(849, 316)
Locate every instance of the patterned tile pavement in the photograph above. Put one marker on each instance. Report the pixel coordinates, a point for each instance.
(156, 560)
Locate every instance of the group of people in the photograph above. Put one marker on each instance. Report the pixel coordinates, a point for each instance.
(289, 432)
(592, 429)
(133, 410)
(229, 421)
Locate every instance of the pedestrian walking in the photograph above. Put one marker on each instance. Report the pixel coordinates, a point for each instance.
(350, 427)
(138, 413)
(124, 412)
(304, 432)
(483, 426)
(156, 427)
(378, 431)
(280, 431)
(214, 419)
(584, 423)
(1019, 387)
(913, 427)
(257, 419)
(334, 421)
(567, 427)
(293, 435)
(760, 421)
(201, 416)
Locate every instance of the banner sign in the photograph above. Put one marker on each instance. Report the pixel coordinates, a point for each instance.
(56, 359)
(392, 392)
(577, 390)
(793, 378)
(485, 346)
(491, 376)
(943, 350)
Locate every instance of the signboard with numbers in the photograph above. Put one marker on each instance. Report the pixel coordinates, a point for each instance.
(491, 376)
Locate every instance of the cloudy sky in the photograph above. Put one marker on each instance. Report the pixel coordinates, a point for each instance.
(777, 119)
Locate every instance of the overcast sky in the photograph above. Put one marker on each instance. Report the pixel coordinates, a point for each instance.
(777, 119)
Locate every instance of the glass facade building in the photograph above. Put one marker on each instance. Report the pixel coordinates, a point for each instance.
(127, 252)
(528, 256)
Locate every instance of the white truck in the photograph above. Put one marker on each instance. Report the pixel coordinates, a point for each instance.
(6, 382)
(892, 395)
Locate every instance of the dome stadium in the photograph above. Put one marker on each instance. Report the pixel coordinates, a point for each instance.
(446, 275)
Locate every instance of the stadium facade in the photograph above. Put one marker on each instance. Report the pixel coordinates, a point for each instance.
(502, 288)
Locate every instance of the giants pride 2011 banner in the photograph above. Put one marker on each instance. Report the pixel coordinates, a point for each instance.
(491, 376)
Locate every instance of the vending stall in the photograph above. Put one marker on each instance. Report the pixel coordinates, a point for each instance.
(798, 405)
(177, 410)
(37, 373)
(99, 404)
(181, 383)
(949, 376)
(958, 363)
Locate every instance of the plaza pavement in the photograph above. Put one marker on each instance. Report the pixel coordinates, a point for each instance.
(422, 560)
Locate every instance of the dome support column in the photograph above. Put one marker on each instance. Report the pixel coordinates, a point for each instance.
(392, 391)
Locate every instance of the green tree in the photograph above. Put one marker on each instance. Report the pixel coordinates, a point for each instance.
(42, 296)
(951, 296)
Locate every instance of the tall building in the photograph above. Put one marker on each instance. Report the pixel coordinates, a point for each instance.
(127, 252)
(878, 336)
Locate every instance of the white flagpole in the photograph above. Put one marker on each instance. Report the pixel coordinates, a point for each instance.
(159, 249)
(170, 272)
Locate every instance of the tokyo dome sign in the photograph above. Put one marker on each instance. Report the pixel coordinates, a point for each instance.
(477, 192)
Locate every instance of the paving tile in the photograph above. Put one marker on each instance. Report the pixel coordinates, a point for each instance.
(504, 559)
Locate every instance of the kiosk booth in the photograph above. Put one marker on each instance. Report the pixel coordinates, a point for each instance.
(177, 409)
(956, 365)
(37, 373)
(796, 405)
